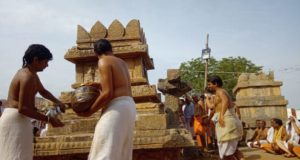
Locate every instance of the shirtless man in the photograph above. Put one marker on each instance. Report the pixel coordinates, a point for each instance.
(15, 124)
(229, 128)
(260, 135)
(113, 138)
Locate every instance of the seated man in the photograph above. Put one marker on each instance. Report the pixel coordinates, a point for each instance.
(292, 146)
(260, 136)
(278, 133)
(251, 134)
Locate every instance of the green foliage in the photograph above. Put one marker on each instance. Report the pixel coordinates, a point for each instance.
(229, 69)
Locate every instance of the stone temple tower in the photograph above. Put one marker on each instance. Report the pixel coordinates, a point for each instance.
(258, 96)
(153, 138)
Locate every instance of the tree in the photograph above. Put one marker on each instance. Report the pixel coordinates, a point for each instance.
(229, 69)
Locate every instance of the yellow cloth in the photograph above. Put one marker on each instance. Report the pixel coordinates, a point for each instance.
(233, 129)
(277, 134)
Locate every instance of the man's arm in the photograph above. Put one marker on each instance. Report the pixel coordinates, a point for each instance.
(48, 95)
(26, 84)
(106, 95)
(254, 135)
(296, 128)
(224, 107)
(210, 101)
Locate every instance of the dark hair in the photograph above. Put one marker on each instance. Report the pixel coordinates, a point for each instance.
(102, 46)
(202, 96)
(36, 50)
(278, 121)
(215, 80)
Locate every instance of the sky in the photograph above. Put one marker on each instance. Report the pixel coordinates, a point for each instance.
(266, 32)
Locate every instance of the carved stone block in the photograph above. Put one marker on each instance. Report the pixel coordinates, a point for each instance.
(151, 121)
(149, 107)
(173, 75)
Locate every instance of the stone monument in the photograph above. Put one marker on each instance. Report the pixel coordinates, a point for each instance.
(258, 96)
(153, 138)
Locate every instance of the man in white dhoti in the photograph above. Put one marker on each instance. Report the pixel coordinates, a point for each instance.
(113, 137)
(229, 128)
(16, 134)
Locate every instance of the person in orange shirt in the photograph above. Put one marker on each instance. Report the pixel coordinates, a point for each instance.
(199, 128)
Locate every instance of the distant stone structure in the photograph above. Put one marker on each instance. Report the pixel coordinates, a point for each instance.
(153, 138)
(173, 88)
(258, 96)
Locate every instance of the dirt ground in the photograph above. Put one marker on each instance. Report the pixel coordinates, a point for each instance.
(257, 154)
(251, 154)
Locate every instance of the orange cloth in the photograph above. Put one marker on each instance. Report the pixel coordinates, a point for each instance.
(201, 131)
(198, 127)
(296, 150)
(267, 147)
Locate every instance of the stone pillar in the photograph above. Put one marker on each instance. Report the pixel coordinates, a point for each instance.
(172, 87)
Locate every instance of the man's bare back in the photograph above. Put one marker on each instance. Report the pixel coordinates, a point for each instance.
(113, 138)
(120, 76)
(23, 76)
(114, 77)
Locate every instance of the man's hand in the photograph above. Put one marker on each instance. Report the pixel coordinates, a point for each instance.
(55, 122)
(221, 122)
(61, 106)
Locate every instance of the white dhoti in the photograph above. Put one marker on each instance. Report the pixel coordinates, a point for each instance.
(16, 136)
(113, 137)
(256, 144)
(229, 136)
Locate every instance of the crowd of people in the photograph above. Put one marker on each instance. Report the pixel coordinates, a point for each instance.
(221, 128)
(212, 120)
(279, 138)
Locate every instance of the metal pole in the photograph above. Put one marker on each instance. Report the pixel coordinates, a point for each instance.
(205, 73)
(205, 83)
(206, 63)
